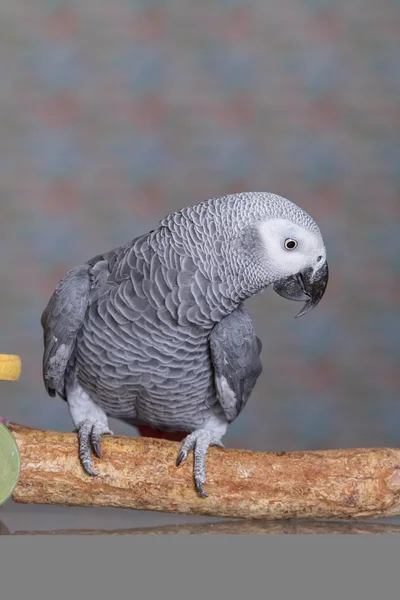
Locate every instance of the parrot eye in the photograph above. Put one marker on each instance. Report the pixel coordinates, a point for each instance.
(290, 244)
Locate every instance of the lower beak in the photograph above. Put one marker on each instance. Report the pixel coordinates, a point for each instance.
(308, 286)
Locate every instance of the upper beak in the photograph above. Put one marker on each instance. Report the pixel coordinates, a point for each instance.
(307, 285)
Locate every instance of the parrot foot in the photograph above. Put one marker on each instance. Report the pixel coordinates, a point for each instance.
(90, 433)
(199, 441)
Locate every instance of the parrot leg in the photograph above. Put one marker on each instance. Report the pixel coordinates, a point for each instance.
(199, 441)
(90, 434)
(91, 424)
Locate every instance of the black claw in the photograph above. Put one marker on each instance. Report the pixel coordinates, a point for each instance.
(181, 458)
(201, 491)
(89, 471)
(97, 447)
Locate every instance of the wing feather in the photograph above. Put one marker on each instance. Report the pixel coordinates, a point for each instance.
(235, 353)
(61, 321)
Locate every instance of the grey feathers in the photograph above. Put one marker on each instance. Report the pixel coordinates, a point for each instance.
(61, 321)
(155, 331)
(235, 353)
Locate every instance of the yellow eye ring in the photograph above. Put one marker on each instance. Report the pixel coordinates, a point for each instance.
(290, 244)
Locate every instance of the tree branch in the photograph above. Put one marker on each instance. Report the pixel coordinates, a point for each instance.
(140, 473)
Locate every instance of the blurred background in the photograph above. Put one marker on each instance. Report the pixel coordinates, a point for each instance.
(114, 114)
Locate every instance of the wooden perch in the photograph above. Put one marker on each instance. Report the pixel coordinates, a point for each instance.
(140, 473)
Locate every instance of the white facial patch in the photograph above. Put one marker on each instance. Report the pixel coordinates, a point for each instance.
(283, 262)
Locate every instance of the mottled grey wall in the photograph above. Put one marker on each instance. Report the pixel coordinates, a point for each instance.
(114, 114)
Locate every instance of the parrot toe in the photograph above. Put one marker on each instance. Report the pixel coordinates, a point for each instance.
(181, 457)
(97, 433)
(87, 465)
(200, 489)
(199, 441)
(90, 434)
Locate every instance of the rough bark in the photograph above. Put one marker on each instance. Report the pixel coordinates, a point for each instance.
(140, 473)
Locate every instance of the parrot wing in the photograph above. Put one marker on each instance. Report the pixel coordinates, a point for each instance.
(64, 315)
(61, 321)
(235, 354)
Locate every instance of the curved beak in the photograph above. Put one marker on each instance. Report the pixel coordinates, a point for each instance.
(307, 286)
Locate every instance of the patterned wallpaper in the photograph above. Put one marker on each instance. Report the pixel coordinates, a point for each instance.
(114, 114)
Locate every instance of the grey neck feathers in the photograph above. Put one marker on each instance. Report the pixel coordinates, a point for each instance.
(203, 261)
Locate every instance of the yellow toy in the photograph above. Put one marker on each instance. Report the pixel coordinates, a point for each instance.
(10, 367)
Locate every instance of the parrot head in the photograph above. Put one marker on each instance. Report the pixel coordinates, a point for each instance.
(252, 240)
(296, 257)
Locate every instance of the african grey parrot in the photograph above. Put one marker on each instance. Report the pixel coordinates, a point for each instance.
(155, 332)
